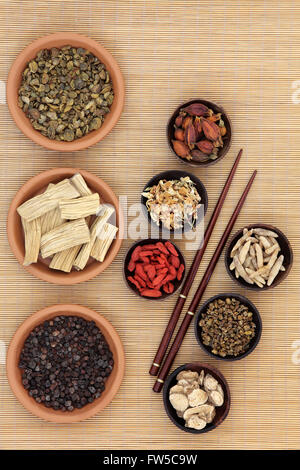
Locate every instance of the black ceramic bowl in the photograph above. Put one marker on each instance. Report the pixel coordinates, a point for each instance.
(255, 318)
(286, 250)
(176, 175)
(127, 273)
(221, 411)
(226, 139)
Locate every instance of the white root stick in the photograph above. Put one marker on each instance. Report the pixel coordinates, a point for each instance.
(275, 270)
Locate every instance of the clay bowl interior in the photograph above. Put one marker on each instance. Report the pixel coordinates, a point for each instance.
(38, 184)
(256, 318)
(176, 175)
(58, 40)
(226, 139)
(127, 273)
(14, 373)
(286, 250)
(221, 411)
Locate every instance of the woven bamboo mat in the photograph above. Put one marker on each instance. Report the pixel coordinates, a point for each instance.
(245, 56)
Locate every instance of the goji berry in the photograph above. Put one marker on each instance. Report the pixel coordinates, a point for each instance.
(134, 281)
(162, 248)
(146, 253)
(131, 266)
(158, 279)
(140, 280)
(180, 271)
(166, 288)
(171, 287)
(151, 293)
(171, 248)
(135, 254)
(148, 247)
(175, 261)
(140, 272)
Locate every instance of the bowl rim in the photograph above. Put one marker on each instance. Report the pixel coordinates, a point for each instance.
(29, 52)
(277, 281)
(54, 277)
(216, 373)
(209, 104)
(146, 241)
(258, 323)
(163, 175)
(17, 342)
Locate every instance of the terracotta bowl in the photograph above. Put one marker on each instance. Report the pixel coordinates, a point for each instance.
(226, 139)
(41, 269)
(127, 273)
(256, 319)
(58, 40)
(221, 411)
(176, 175)
(286, 250)
(14, 373)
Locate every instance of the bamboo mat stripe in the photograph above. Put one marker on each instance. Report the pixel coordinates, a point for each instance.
(243, 55)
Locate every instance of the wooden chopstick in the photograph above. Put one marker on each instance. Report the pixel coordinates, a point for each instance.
(200, 291)
(192, 273)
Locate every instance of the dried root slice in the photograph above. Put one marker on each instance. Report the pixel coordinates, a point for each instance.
(65, 236)
(103, 242)
(63, 261)
(32, 234)
(176, 389)
(195, 422)
(79, 208)
(207, 412)
(84, 253)
(50, 220)
(80, 184)
(179, 401)
(188, 375)
(241, 270)
(191, 411)
(197, 397)
(273, 258)
(39, 205)
(216, 398)
(244, 251)
(265, 242)
(259, 256)
(275, 270)
(210, 383)
(240, 242)
(201, 377)
(264, 232)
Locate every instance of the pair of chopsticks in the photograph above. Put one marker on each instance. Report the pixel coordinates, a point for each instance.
(202, 286)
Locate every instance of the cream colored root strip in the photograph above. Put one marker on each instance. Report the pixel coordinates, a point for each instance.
(84, 254)
(39, 205)
(241, 270)
(265, 232)
(232, 266)
(275, 270)
(80, 184)
(265, 242)
(240, 242)
(63, 261)
(79, 208)
(273, 259)
(244, 251)
(259, 256)
(32, 235)
(272, 248)
(65, 236)
(50, 220)
(259, 272)
(258, 277)
(103, 242)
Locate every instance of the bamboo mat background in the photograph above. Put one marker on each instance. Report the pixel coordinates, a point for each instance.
(245, 56)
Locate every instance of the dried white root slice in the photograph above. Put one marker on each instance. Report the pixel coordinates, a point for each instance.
(210, 383)
(78, 181)
(259, 256)
(273, 258)
(63, 261)
(50, 220)
(247, 262)
(265, 242)
(179, 401)
(197, 397)
(240, 242)
(259, 272)
(282, 268)
(32, 235)
(81, 207)
(188, 375)
(207, 412)
(195, 422)
(191, 411)
(265, 232)
(275, 270)
(39, 205)
(236, 273)
(84, 254)
(272, 249)
(220, 389)
(201, 377)
(244, 251)
(191, 387)
(103, 241)
(241, 270)
(232, 266)
(176, 389)
(65, 236)
(216, 398)
(252, 251)
(257, 277)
